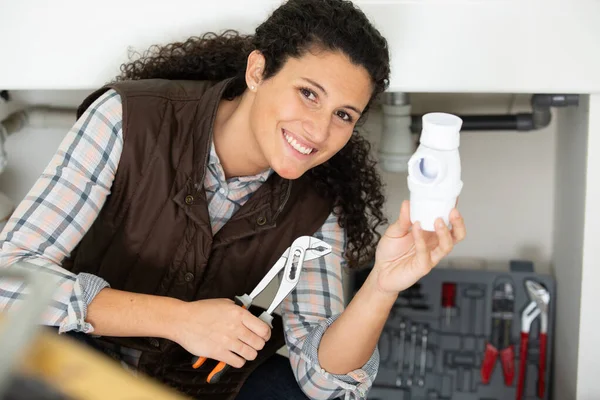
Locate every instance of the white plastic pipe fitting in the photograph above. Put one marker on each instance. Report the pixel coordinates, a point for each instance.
(434, 170)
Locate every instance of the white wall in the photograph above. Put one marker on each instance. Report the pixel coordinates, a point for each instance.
(568, 238)
(448, 45)
(589, 352)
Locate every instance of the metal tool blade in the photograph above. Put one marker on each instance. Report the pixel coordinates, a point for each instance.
(303, 248)
(314, 248)
(539, 294)
(503, 303)
(264, 282)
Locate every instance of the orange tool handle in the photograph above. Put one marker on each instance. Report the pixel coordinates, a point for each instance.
(198, 361)
(217, 372)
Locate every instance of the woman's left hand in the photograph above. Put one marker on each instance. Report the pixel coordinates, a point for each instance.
(406, 253)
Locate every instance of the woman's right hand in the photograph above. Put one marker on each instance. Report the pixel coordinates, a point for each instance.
(219, 329)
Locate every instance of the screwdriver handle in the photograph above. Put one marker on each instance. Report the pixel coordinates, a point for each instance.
(448, 295)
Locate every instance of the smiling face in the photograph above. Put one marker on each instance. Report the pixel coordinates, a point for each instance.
(303, 115)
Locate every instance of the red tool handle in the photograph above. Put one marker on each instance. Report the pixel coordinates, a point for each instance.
(542, 367)
(487, 366)
(507, 356)
(522, 364)
(448, 295)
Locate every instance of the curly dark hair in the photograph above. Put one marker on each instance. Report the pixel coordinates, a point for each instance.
(349, 178)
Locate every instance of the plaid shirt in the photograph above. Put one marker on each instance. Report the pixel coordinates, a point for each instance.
(66, 199)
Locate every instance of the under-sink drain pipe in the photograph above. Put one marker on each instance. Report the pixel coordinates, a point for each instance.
(38, 117)
(398, 142)
(539, 117)
(35, 117)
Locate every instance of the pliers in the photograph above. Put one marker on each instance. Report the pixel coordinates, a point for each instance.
(503, 300)
(540, 297)
(291, 262)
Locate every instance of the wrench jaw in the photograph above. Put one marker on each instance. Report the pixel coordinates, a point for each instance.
(530, 313)
(311, 247)
(304, 248)
(316, 248)
(541, 297)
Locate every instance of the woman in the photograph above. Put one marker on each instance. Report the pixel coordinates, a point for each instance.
(183, 181)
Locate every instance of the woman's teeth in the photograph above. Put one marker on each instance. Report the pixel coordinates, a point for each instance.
(297, 146)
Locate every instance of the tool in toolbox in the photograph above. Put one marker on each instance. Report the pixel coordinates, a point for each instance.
(291, 262)
(423, 362)
(412, 356)
(503, 301)
(538, 306)
(413, 299)
(400, 366)
(448, 299)
(463, 362)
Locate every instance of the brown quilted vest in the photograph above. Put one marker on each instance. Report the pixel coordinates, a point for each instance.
(154, 236)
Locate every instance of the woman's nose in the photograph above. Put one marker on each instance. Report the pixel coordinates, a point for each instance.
(317, 127)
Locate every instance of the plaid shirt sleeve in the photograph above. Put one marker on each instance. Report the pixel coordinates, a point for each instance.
(313, 306)
(59, 209)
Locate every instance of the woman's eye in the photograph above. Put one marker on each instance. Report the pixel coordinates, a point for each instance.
(344, 115)
(309, 94)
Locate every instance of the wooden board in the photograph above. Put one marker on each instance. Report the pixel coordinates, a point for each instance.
(84, 374)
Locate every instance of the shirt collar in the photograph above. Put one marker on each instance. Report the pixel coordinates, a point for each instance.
(215, 165)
